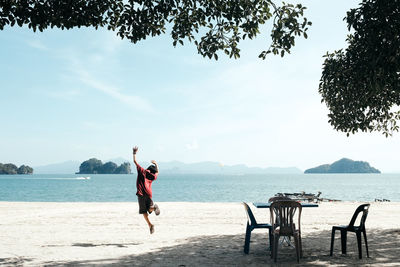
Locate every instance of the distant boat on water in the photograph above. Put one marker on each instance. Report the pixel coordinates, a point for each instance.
(83, 178)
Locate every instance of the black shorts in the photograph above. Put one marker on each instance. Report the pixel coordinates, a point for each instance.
(145, 202)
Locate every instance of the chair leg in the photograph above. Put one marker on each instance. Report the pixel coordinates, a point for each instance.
(275, 249)
(301, 246)
(366, 243)
(332, 241)
(343, 237)
(358, 234)
(272, 245)
(297, 247)
(270, 239)
(247, 239)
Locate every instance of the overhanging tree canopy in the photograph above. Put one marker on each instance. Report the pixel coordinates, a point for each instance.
(213, 25)
(361, 84)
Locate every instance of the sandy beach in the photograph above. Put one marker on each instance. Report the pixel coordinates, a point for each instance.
(186, 234)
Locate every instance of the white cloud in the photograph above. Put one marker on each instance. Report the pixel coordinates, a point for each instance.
(77, 67)
(64, 94)
(37, 44)
(160, 148)
(192, 146)
(90, 125)
(111, 42)
(89, 70)
(132, 101)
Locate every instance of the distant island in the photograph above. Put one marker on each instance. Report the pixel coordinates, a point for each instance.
(174, 167)
(95, 166)
(344, 166)
(10, 168)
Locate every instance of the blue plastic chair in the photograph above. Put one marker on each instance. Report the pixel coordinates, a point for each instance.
(351, 228)
(251, 225)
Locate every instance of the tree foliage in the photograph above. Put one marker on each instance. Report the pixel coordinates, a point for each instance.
(95, 166)
(124, 168)
(23, 169)
(361, 84)
(10, 168)
(213, 26)
(344, 166)
(108, 167)
(92, 165)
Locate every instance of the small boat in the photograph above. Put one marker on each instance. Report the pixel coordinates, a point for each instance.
(83, 178)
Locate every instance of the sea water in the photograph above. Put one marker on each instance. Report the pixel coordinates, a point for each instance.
(199, 188)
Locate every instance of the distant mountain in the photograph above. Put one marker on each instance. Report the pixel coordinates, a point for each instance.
(210, 167)
(174, 167)
(344, 166)
(67, 167)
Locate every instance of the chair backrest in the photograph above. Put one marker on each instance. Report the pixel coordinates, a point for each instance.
(364, 209)
(249, 214)
(285, 211)
(278, 198)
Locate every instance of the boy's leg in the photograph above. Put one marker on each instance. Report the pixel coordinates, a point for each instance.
(149, 207)
(146, 217)
(143, 209)
(154, 207)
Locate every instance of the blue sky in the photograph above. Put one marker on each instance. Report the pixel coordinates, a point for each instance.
(72, 95)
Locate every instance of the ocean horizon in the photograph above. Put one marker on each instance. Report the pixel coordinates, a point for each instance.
(196, 187)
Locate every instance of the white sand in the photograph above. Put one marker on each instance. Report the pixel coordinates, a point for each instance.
(186, 234)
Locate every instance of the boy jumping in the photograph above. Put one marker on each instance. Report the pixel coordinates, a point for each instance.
(144, 192)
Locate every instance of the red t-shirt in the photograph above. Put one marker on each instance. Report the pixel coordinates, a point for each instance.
(143, 181)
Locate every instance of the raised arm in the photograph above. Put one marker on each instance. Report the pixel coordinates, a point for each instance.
(135, 150)
(155, 163)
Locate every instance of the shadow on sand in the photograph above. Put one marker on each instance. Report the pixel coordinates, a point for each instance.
(227, 250)
(14, 261)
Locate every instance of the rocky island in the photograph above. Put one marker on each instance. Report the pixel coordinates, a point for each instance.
(344, 166)
(10, 168)
(95, 166)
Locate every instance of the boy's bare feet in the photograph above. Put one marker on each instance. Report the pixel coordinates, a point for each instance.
(151, 229)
